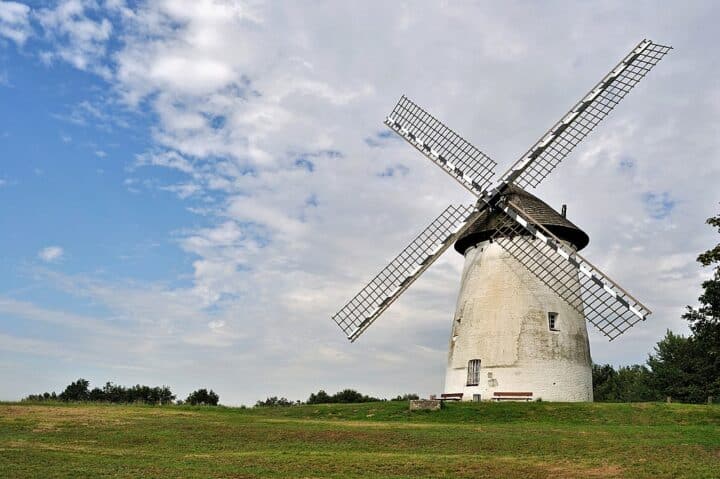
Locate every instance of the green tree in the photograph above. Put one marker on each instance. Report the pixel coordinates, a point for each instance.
(688, 368)
(321, 397)
(274, 401)
(203, 397)
(674, 365)
(605, 384)
(344, 396)
(76, 391)
(405, 397)
(635, 384)
(626, 384)
(705, 323)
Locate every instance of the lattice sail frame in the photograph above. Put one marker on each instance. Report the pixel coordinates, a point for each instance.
(607, 306)
(472, 168)
(602, 297)
(363, 309)
(565, 135)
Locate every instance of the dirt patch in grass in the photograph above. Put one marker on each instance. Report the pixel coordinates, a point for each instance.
(365, 424)
(67, 447)
(59, 412)
(573, 471)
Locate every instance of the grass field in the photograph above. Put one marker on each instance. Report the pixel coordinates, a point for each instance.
(384, 440)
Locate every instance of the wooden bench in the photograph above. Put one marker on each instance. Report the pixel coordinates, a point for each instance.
(451, 396)
(512, 396)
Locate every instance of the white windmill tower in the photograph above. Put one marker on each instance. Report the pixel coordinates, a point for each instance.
(519, 330)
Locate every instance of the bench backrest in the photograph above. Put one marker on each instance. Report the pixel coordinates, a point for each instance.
(516, 394)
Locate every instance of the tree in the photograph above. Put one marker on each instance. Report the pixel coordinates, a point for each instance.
(320, 398)
(203, 397)
(674, 368)
(76, 391)
(705, 323)
(274, 401)
(406, 397)
(635, 384)
(626, 384)
(344, 396)
(605, 384)
(688, 369)
(96, 395)
(352, 396)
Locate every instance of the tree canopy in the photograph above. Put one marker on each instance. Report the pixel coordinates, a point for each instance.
(203, 397)
(684, 368)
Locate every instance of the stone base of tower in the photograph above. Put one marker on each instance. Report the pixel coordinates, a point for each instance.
(512, 333)
(546, 380)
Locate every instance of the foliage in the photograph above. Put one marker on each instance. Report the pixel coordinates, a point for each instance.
(42, 397)
(674, 368)
(344, 396)
(80, 391)
(626, 384)
(705, 323)
(203, 397)
(688, 369)
(274, 401)
(321, 397)
(685, 368)
(76, 391)
(406, 397)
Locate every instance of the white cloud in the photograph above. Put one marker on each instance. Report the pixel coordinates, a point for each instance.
(15, 22)
(78, 39)
(51, 254)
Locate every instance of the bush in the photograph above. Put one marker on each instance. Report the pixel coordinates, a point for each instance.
(344, 396)
(406, 397)
(274, 402)
(203, 397)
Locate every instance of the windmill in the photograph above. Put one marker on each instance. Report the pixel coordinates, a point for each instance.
(520, 325)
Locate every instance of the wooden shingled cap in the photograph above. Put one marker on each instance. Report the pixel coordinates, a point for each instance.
(560, 226)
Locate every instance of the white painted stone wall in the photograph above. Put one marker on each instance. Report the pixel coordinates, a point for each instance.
(502, 319)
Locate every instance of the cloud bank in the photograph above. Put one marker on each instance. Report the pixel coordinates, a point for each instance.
(270, 119)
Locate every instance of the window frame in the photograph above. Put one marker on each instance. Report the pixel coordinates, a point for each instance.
(553, 320)
(473, 372)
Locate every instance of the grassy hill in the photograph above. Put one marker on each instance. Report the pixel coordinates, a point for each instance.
(384, 440)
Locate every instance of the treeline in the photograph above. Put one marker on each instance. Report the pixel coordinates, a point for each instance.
(681, 368)
(321, 397)
(686, 369)
(79, 391)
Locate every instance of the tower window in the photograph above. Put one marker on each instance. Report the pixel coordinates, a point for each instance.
(473, 372)
(552, 321)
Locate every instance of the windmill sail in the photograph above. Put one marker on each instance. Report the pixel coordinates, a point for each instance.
(605, 304)
(472, 168)
(565, 135)
(360, 312)
(592, 293)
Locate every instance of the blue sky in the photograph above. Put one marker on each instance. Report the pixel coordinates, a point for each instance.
(189, 190)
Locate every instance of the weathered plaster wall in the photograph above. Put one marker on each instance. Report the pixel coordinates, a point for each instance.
(502, 319)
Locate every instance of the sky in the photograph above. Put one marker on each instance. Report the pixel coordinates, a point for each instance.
(190, 189)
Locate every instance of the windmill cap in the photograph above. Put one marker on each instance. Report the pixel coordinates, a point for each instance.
(488, 222)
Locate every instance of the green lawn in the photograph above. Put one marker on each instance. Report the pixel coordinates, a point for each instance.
(528, 440)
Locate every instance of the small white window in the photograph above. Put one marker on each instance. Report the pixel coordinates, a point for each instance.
(552, 321)
(473, 372)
